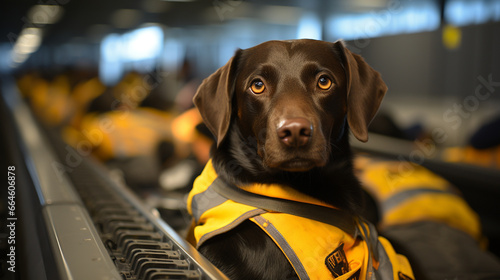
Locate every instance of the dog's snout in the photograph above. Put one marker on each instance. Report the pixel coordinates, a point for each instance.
(295, 132)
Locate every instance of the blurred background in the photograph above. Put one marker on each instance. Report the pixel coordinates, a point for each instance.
(115, 79)
(432, 54)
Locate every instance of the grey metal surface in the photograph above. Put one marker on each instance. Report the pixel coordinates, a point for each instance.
(77, 244)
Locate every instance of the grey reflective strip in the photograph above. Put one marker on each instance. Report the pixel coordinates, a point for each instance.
(369, 234)
(245, 216)
(205, 200)
(385, 270)
(397, 199)
(294, 260)
(369, 243)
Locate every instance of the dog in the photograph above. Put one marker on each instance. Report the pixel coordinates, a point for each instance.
(281, 113)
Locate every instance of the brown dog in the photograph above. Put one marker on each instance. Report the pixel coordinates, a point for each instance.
(281, 113)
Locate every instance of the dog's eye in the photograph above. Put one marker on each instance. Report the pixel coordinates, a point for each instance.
(257, 87)
(324, 82)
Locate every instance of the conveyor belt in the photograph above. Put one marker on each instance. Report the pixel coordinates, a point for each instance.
(98, 228)
(140, 245)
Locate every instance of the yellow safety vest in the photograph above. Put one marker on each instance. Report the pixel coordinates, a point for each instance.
(489, 158)
(408, 193)
(51, 101)
(121, 134)
(314, 249)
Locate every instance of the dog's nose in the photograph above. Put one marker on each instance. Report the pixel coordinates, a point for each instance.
(295, 132)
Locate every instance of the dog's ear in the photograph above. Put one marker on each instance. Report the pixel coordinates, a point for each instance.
(214, 97)
(365, 90)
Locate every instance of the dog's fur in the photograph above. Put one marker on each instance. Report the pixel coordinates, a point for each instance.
(294, 133)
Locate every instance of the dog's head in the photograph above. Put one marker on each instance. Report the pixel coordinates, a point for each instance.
(294, 98)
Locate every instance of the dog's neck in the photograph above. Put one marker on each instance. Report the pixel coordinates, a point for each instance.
(237, 162)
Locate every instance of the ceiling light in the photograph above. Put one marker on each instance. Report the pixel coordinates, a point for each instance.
(45, 14)
(27, 43)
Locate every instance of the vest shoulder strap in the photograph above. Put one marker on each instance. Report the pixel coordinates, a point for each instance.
(335, 217)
